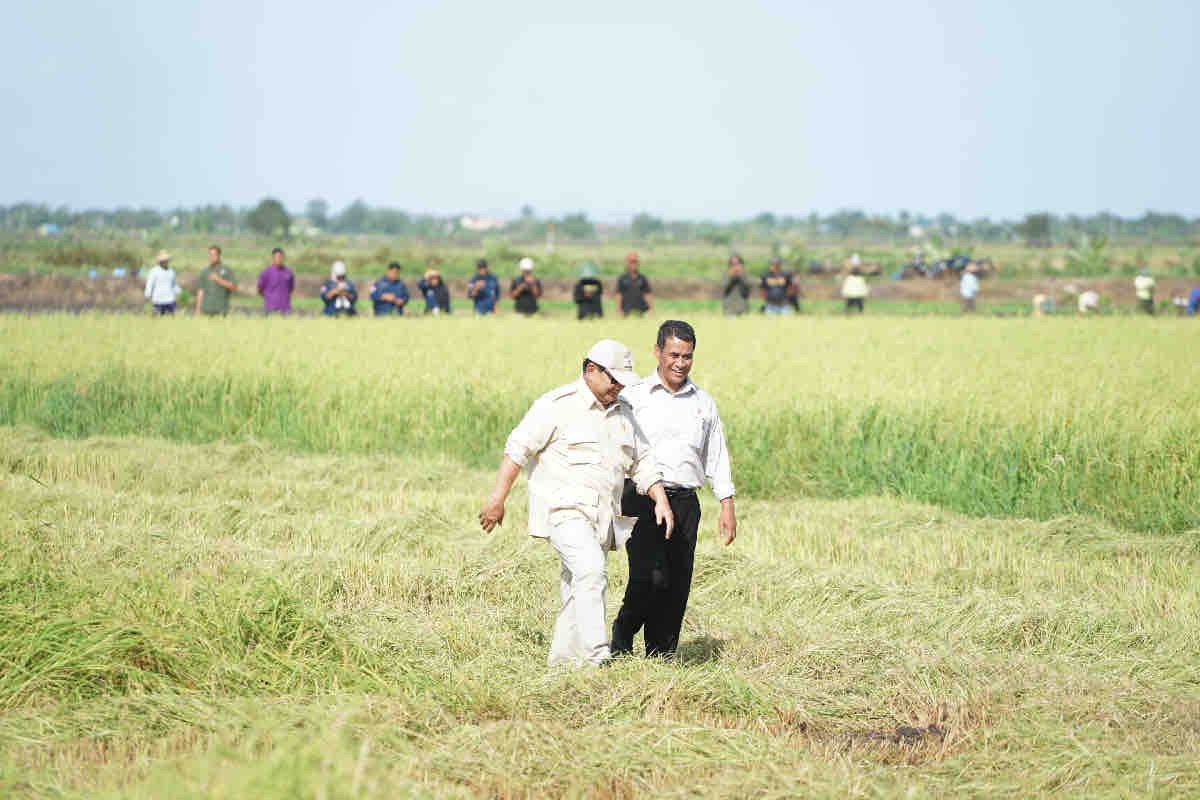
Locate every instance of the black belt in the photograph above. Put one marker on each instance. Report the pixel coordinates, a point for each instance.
(678, 491)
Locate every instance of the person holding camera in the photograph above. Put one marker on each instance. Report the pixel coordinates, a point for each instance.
(339, 293)
(525, 290)
(589, 293)
(735, 289)
(483, 289)
(389, 295)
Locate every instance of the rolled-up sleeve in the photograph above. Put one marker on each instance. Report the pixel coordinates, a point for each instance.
(532, 434)
(644, 471)
(716, 459)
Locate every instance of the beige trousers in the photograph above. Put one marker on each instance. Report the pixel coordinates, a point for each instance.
(580, 633)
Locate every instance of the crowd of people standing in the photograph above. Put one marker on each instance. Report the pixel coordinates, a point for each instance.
(779, 290)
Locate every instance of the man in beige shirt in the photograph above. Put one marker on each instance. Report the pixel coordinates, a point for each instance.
(579, 442)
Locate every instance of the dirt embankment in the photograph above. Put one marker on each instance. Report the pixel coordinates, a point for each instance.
(24, 292)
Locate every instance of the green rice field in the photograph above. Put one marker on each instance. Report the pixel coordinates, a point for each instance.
(239, 558)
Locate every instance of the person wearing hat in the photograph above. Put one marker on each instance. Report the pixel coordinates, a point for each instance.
(855, 289)
(633, 290)
(1143, 289)
(433, 289)
(483, 288)
(589, 293)
(161, 288)
(734, 288)
(681, 421)
(778, 289)
(525, 289)
(968, 288)
(389, 294)
(579, 442)
(216, 284)
(339, 292)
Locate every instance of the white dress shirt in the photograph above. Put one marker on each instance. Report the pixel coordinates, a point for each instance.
(578, 454)
(685, 431)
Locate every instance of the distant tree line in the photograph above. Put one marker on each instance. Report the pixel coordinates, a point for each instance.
(271, 218)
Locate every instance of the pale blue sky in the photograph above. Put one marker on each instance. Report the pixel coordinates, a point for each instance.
(680, 109)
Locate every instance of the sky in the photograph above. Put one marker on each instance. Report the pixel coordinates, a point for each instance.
(680, 109)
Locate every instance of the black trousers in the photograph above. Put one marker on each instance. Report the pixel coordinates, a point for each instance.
(660, 573)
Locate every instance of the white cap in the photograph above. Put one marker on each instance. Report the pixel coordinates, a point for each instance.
(339, 269)
(616, 358)
(526, 264)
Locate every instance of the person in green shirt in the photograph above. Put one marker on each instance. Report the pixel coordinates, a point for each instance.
(217, 283)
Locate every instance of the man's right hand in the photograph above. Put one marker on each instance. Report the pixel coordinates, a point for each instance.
(493, 513)
(663, 516)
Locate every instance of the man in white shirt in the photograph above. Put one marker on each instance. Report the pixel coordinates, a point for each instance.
(684, 428)
(579, 442)
(161, 287)
(1143, 289)
(968, 288)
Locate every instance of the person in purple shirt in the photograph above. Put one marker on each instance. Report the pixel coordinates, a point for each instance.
(276, 284)
(1194, 302)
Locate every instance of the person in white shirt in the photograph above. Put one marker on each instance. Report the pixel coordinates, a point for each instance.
(684, 428)
(579, 442)
(161, 288)
(855, 289)
(968, 288)
(1143, 289)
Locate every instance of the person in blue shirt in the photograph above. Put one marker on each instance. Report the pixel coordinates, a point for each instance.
(437, 296)
(389, 294)
(1194, 302)
(339, 293)
(484, 289)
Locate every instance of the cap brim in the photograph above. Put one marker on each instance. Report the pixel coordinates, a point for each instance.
(624, 377)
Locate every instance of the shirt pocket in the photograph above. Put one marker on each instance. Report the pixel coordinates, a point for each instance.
(570, 500)
(699, 432)
(688, 430)
(583, 447)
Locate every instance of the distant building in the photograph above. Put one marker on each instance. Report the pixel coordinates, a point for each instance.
(49, 229)
(479, 224)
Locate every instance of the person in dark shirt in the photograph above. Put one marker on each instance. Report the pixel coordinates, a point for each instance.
(778, 289)
(525, 289)
(437, 296)
(589, 293)
(339, 293)
(633, 290)
(483, 288)
(735, 288)
(389, 294)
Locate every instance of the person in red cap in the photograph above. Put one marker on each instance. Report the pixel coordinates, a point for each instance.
(579, 442)
(633, 290)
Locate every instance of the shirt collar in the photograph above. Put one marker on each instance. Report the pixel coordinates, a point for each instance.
(657, 383)
(588, 400)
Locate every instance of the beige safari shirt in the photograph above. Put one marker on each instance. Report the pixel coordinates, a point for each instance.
(578, 454)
